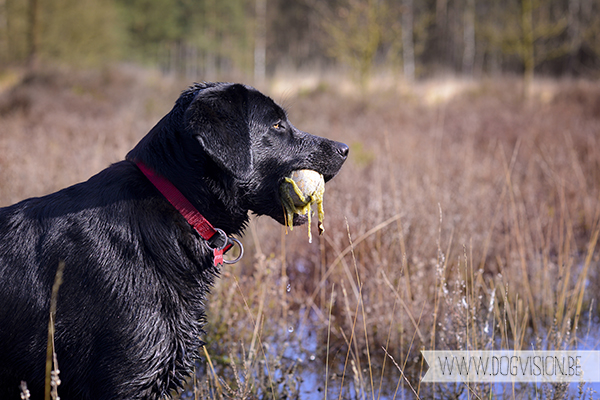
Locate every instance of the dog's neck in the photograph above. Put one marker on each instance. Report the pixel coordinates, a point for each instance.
(216, 238)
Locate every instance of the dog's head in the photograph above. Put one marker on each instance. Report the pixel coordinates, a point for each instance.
(235, 132)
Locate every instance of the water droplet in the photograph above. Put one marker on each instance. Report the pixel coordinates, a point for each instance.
(312, 357)
(289, 287)
(291, 329)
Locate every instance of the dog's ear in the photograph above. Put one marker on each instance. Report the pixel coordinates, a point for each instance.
(218, 119)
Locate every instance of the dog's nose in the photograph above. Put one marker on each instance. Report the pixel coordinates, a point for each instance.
(343, 150)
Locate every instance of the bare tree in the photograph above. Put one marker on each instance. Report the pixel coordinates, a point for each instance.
(33, 34)
(260, 42)
(441, 16)
(527, 50)
(468, 60)
(408, 47)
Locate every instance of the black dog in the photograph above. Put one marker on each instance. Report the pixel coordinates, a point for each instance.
(136, 273)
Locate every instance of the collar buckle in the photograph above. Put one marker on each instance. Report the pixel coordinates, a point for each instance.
(213, 236)
(227, 243)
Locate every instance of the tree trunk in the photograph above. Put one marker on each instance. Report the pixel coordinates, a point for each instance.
(468, 60)
(527, 46)
(260, 43)
(441, 23)
(33, 34)
(574, 32)
(408, 48)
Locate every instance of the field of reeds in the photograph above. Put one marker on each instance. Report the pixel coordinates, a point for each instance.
(467, 217)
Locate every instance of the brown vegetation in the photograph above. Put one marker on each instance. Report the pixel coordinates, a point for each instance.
(466, 218)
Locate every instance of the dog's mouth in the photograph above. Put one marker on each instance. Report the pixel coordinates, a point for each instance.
(299, 192)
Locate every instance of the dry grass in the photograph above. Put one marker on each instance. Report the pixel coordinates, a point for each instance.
(466, 218)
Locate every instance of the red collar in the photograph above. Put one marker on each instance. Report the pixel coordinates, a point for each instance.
(192, 215)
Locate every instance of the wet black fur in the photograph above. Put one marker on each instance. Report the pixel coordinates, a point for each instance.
(131, 308)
